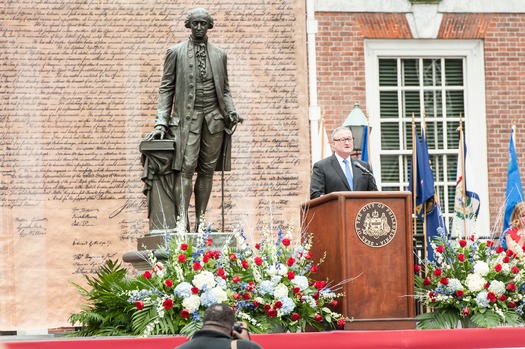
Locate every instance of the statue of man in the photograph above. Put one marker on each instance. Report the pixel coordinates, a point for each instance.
(195, 109)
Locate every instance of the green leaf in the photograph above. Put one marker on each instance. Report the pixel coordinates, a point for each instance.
(438, 319)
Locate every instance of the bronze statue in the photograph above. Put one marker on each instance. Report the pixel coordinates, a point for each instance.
(195, 85)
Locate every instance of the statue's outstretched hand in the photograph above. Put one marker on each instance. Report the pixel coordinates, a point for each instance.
(155, 134)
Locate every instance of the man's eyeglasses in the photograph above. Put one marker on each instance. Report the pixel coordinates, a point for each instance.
(344, 140)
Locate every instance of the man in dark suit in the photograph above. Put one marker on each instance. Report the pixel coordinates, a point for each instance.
(340, 172)
(195, 85)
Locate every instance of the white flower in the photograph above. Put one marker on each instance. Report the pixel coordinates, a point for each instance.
(204, 278)
(300, 281)
(280, 291)
(475, 282)
(282, 269)
(220, 294)
(481, 268)
(191, 303)
(497, 287)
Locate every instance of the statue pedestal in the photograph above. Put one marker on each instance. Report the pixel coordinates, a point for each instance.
(155, 243)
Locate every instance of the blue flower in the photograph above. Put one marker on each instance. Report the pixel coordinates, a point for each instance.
(208, 298)
(266, 287)
(183, 290)
(288, 305)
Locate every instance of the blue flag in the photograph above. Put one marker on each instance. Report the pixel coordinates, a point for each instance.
(427, 207)
(514, 192)
(364, 145)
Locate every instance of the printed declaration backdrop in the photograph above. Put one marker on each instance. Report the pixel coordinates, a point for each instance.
(78, 94)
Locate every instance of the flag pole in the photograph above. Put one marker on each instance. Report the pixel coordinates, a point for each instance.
(423, 134)
(414, 181)
(464, 185)
(321, 130)
(368, 138)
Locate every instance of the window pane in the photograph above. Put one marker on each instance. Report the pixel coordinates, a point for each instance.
(412, 105)
(452, 166)
(432, 72)
(389, 104)
(390, 169)
(453, 135)
(433, 103)
(453, 72)
(455, 104)
(410, 72)
(387, 72)
(390, 136)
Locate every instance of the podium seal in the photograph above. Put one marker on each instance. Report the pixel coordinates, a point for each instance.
(376, 224)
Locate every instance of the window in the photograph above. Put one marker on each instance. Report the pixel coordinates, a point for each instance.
(437, 82)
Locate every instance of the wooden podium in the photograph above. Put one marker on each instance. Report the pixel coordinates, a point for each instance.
(366, 236)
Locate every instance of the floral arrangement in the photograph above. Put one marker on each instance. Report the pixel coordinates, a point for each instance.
(471, 283)
(269, 285)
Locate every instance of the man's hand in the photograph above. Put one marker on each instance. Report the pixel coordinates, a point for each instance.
(155, 134)
(243, 334)
(235, 118)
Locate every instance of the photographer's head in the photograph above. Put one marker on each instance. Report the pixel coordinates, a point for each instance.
(219, 317)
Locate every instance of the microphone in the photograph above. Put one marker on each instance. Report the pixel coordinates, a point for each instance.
(366, 171)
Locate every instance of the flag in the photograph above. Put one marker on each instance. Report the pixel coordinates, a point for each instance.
(467, 201)
(514, 192)
(326, 151)
(364, 145)
(427, 207)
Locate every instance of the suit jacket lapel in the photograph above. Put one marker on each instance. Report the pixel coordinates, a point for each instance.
(339, 171)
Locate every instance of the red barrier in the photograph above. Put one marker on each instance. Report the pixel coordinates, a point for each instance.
(412, 339)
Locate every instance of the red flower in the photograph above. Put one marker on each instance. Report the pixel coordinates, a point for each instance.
(168, 304)
(320, 285)
(236, 279)
(257, 246)
(510, 253)
(440, 248)
(506, 259)
(490, 243)
(502, 298)
(184, 314)
(295, 316)
(511, 287)
(147, 274)
(245, 264)
(460, 293)
(233, 256)
(250, 286)
(318, 318)
(500, 249)
(290, 261)
(487, 285)
(492, 297)
(291, 275)
(197, 266)
(417, 268)
(314, 269)
(182, 258)
(139, 305)
(256, 304)
(286, 242)
(511, 305)
(183, 246)
(267, 307)
(278, 305)
(246, 296)
(515, 270)
(333, 303)
(498, 268)
(205, 258)
(209, 242)
(296, 290)
(461, 257)
(472, 238)
(194, 290)
(466, 311)
(308, 255)
(258, 260)
(341, 323)
(220, 272)
(427, 281)
(437, 272)
(443, 281)
(271, 312)
(236, 296)
(462, 243)
(168, 283)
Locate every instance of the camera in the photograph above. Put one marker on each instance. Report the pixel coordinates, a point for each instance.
(237, 328)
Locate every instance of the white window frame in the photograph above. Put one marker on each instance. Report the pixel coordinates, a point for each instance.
(475, 130)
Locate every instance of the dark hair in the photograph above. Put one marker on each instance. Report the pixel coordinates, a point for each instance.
(198, 11)
(221, 313)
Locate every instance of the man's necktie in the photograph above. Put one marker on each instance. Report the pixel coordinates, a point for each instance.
(348, 174)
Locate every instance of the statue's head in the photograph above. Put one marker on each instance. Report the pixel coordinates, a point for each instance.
(198, 13)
